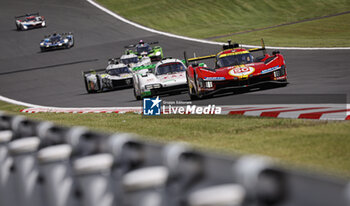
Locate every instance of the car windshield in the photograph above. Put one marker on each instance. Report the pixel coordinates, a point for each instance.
(233, 60)
(170, 68)
(30, 19)
(130, 60)
(118, 71)
(55, 38)
(143, 48)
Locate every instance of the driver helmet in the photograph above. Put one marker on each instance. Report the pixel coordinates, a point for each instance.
(141, 42)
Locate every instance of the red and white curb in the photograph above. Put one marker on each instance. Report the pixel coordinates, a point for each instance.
(314, 111)
(96, 110)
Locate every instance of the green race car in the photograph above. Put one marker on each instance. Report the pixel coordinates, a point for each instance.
(145, 49)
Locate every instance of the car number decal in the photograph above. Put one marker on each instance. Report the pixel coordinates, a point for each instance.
(241, 71)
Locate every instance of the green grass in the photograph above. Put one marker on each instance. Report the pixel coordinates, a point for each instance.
(330, 32)
(319, 144)
(208, 18)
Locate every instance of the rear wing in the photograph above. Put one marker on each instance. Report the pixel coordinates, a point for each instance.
(64, 34)
(113, 61)
(93, 71)
(134, 45)
(259, 49)
(225, 47)
(186, 60)
(33, 14)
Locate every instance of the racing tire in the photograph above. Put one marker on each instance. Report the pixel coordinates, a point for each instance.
(190, 90)
(42, 49)
(86, 86)
(193, 97)
(198, 95)
(136, 97)
(98, 80)
(284, 84)
(72, 45)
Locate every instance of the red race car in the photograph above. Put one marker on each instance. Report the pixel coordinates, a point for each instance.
(235, 68)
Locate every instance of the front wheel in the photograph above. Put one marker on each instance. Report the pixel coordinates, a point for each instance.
(99, 83)
(136, 96)
(193, 96)
(192, 92)
(87, 86)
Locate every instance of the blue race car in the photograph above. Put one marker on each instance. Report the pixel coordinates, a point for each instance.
(57, 41)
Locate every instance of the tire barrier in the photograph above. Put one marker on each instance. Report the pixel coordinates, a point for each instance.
(45, 164)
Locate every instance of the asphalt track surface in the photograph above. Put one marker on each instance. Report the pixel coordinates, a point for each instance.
(54, 78)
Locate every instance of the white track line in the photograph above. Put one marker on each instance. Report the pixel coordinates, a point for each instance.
(201, 40)
(12, 101)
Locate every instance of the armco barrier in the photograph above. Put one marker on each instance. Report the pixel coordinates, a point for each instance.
(45, 164)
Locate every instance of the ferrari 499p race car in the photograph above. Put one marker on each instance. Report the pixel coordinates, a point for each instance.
(116, 75)
(57, 41)
(30, 21)
(167, 76)
(235, 68)
(145, 49)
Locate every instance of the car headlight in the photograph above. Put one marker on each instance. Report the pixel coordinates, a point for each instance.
(43, 23)
(209, 84)
(65, 41)
(60, 44)
(153, 86)
(201, 82)
(158, 53)
(42, 44)
(25, 27)
(279, 72)
(156, 86)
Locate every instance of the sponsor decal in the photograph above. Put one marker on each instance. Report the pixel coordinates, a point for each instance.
(151, 106)
(238, 71)
(233, 53)
(270, 69)
(214, 78)
(125, 75)
(191, 109)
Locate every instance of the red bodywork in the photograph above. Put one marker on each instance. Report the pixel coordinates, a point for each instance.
(266, 69)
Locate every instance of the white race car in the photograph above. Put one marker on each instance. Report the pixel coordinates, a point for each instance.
(30, 21)
(165, 77)
(116, 75)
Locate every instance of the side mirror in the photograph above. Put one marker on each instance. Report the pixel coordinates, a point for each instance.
(195, 64)
(275, 52)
